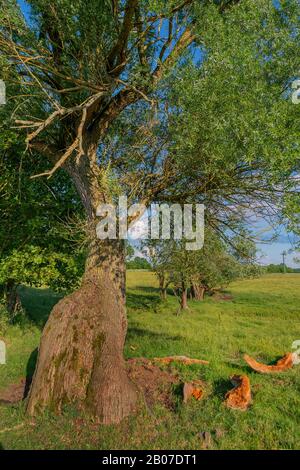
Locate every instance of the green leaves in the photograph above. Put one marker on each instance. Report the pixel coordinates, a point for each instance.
(235, 130)
(38, 267)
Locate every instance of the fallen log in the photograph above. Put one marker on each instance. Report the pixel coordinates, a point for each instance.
(239, 398)
(183, 359)
(285, 363)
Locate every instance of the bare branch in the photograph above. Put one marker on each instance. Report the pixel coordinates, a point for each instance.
(60, 162)
(80, 133)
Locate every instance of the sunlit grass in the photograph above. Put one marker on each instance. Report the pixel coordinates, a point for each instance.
(263, 319)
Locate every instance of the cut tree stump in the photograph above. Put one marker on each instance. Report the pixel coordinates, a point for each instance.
(192, 389)
(239, 398)
(285, 363)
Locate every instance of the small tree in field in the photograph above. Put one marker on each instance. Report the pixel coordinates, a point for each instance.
(203, 270)
(159, 254)
(213, 267)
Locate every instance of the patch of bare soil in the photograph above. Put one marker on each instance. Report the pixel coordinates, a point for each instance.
(14, 392)
(155, 384)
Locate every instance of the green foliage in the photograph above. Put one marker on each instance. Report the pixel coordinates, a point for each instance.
(4, 319)
(252, 271)
(129, 252)
(211, 267)
(279, 268)
(35, 266)
(138, 263)
(235, 129)
(35, 245)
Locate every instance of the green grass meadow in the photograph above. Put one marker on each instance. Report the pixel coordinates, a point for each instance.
(262, 319)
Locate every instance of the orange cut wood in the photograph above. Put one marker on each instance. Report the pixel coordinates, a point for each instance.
(192, 390)
(183, 359)
(239, 398)
(285, 363)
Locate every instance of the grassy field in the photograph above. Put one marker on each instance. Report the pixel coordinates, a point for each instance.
(262, 319)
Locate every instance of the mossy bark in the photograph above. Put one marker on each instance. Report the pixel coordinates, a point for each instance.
(81, 350)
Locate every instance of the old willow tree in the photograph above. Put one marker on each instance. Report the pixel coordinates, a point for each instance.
(90, 67)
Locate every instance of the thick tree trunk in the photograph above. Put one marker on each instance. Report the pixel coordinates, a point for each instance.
(81, 352)
(198, 291)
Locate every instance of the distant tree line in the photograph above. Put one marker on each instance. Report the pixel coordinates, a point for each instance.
(280, 268)
(138, 263)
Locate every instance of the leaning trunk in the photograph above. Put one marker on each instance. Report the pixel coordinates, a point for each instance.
(163, 293)
(81, 352)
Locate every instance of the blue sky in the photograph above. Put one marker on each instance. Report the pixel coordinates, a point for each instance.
(24, 6)
(271, 252)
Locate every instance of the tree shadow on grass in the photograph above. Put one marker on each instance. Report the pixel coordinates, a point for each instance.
(38, 303)
(134, 333)
(30, 368)
(142, 302)
(149, 289)
(221, 387)
(154, 290)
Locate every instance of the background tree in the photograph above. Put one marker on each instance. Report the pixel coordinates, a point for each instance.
(197, 271)
(129, 252)
(159, 252)
(36, 246)
(138, 262)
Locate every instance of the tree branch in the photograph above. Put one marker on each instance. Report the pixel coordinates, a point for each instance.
(118, 52)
